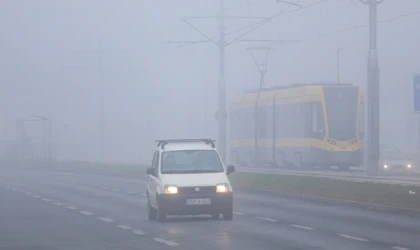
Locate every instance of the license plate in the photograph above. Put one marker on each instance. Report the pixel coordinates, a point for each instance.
(205, 201)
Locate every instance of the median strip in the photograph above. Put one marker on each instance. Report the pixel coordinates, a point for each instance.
(391, 195)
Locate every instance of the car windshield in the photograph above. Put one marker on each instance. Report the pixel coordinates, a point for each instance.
(191, 161)
(392, 156)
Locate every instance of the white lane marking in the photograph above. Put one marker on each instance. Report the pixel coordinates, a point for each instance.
(47, 200)
(266, 219)
(105, 219)
(124, 227)
(400, 248)
(167, 242)
(58, 204)
(353, 237)
(143, 194)
(116, 190)
(238, 213)
(86, 213)
(138, 232)
(71, 208)
(302, 227)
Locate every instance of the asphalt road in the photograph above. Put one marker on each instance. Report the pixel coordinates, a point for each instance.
(57, 210)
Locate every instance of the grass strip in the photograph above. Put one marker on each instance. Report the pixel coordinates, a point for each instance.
(367, 192)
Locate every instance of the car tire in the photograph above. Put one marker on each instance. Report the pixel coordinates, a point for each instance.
(151, 212)
(160, 215)
(228, 215)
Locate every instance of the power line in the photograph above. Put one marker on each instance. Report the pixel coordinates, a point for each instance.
(337, 7)
(242, 4)
(359, 26)
(249, 28)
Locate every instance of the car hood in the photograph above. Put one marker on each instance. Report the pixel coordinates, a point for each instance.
(188, 180)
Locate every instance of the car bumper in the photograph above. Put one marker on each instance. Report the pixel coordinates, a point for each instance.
(394, 167)
(175, 204)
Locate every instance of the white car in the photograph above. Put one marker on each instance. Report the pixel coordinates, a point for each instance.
(394, 159)
(188, 177)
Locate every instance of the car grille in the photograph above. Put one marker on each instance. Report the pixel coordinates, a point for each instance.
(206, 190)
(398, 166)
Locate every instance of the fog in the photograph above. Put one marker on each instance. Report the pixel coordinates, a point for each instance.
(58, 58)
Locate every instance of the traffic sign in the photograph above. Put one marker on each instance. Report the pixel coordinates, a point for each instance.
(416, 93)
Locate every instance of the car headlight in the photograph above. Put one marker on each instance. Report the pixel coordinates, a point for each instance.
(385, 166)
(409, 166)
(222, 188)
(171, 189)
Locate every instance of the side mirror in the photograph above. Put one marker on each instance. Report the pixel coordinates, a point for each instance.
(151, 171)
(230, 169)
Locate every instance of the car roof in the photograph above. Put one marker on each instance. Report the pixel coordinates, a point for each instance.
(187, 146)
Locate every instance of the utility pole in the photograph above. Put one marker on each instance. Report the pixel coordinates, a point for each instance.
(221, 110)
(102, 108)
(373, 90)
(338, 65)
(221, 114)
(262, 68)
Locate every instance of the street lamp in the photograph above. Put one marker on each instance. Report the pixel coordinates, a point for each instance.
(373, 89)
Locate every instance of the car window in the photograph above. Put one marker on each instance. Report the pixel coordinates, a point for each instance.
(155, 163)
(392, 155)
(191, 161)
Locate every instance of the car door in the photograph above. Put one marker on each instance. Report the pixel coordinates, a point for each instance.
(151, 184)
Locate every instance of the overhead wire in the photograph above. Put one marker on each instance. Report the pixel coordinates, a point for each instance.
(251, 27)
(363, 25)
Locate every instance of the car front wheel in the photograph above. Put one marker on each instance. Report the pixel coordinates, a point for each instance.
(151, 212)
(161, 215)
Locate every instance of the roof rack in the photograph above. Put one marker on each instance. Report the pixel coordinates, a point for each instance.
(162, 143)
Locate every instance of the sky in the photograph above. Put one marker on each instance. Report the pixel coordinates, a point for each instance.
(60, 58)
